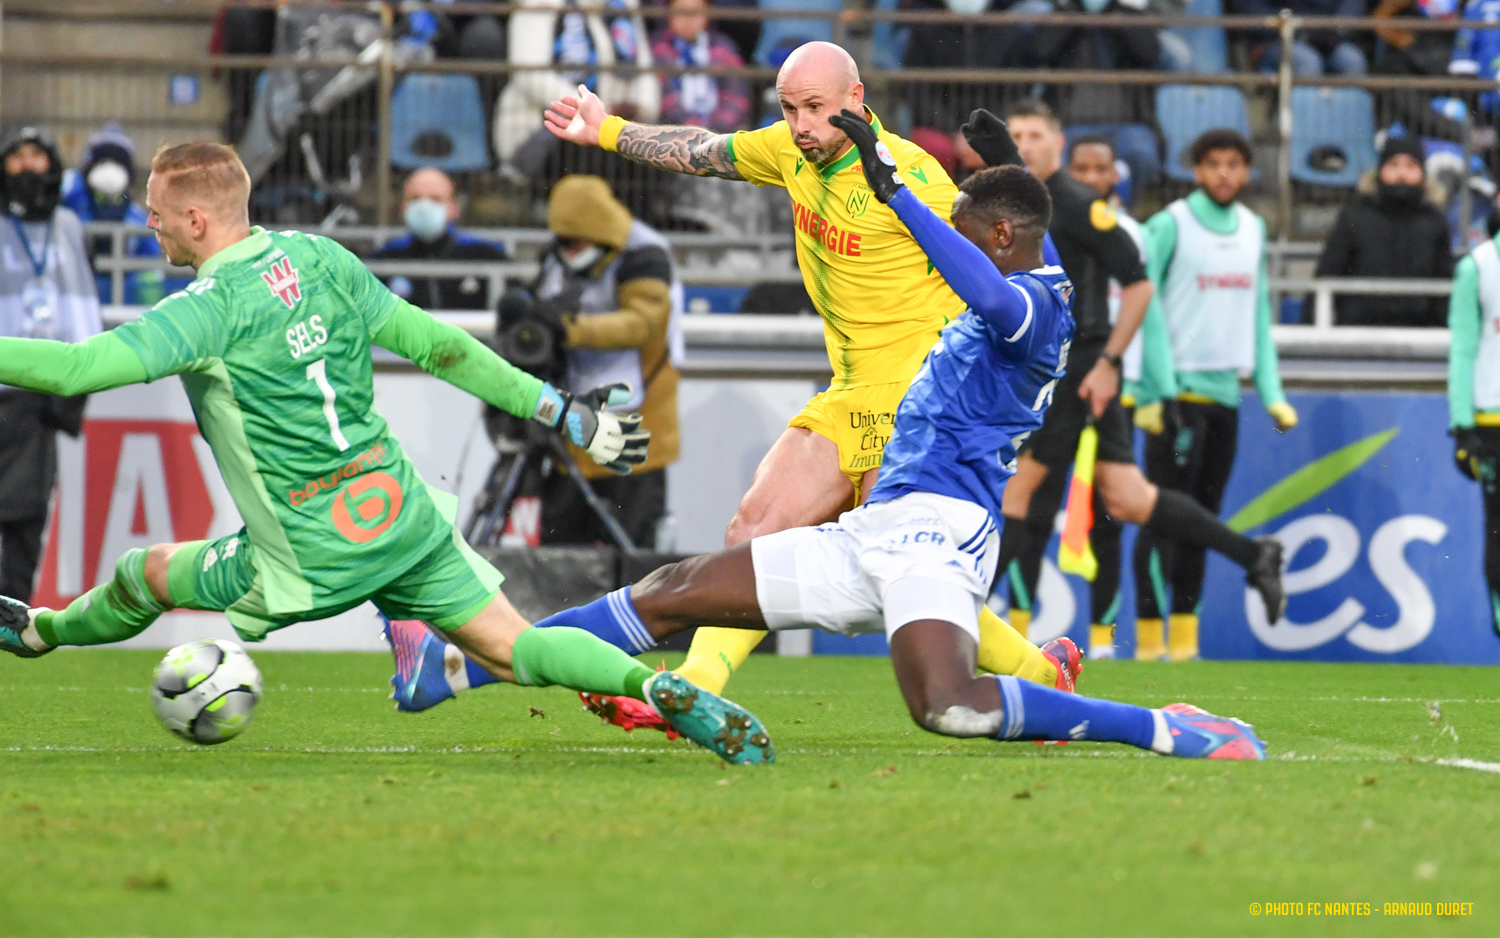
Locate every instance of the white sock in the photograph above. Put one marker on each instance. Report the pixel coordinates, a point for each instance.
(454, 669)
(1161, 738)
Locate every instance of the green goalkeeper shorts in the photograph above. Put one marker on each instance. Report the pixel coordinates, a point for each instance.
(446, 588)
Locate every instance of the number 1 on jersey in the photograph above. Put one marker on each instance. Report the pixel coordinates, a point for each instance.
(317, 372)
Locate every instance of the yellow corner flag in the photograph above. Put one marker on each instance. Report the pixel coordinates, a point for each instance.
(1076, 555)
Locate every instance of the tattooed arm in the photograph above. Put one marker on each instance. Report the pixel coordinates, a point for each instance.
(692, 150)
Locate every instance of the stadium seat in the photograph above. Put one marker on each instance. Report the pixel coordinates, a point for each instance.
(786, 33)
(438, 120)
(1210, 49)
(1333, 134)
(1185, 111)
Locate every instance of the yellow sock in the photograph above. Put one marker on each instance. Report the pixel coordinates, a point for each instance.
(1149, 645)
(1182, 636)
(1002, 650)
(1101, 641)
(716, 654)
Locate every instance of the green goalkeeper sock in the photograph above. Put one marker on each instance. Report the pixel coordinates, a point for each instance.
(574, 658)
(110, 612)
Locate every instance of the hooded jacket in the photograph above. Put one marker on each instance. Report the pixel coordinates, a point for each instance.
(1374, 237)
(583, 207)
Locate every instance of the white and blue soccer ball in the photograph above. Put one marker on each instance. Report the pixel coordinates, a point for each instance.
(206, 691)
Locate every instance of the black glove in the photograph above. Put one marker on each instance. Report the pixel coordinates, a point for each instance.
(990, 138)
(880, 166)
(1468, 452)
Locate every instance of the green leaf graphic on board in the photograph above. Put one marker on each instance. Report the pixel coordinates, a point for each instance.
(1310, 481)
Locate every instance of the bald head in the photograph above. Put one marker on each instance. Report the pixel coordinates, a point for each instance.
(818, 79)
(820, 63)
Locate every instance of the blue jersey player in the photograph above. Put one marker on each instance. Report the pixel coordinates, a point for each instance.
(917, 559)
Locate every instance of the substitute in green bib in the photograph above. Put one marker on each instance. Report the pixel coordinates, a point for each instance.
(1474, 392)
(1208, 324)
(272, 343)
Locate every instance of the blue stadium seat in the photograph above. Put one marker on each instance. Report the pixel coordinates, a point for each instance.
(1332, 119)
(774, 33)
(438, 120)
(1210, 49)
(1185, 111)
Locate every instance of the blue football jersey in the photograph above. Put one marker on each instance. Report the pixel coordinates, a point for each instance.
(977, 397)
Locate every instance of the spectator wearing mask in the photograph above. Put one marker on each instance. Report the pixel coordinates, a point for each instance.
(617, 273)
(47, 291)
(718, 102)
(431, 211)
(1390, 228)
(100, 191)
(1315, 52)
(577, 40)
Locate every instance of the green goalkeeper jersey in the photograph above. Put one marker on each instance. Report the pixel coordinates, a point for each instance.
(272, 342)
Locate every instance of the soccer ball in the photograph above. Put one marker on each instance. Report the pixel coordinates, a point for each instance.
(206, 691)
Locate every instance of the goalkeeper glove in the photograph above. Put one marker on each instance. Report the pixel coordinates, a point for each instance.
(1468, 451)
(614, 441)
(991, 139)
(1284, 414)
(880, 166)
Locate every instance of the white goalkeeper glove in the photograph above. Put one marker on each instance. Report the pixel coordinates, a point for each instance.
(614, 441)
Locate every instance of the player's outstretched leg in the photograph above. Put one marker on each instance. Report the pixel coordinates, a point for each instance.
(510, 649)
(934, 663)
(110, 612)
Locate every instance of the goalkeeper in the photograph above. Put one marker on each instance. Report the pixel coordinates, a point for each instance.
(272, 342)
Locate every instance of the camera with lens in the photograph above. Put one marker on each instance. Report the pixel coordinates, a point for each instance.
(529, 333)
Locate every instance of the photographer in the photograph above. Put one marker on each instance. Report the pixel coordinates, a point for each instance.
(611, 280)
(47, 291)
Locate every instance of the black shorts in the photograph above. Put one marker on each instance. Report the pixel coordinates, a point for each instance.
(1056, 443)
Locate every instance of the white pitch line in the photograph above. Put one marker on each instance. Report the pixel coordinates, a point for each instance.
(1470, 764)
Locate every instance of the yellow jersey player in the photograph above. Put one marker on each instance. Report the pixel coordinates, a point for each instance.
(882, 304)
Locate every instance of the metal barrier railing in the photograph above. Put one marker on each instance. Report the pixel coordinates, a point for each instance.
(526, 245)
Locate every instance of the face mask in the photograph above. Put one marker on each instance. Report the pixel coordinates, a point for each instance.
(427, 219)
(29, 196)
(968, 7)
(1402, 194)
(584, 260)
(109, 179)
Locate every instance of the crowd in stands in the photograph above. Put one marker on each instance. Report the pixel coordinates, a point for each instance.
(1415, 135)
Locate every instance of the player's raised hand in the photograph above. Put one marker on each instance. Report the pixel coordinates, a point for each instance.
(880, 166)
(577, 119)
(991, 139)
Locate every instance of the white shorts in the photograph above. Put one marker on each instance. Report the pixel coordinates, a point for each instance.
(880, 566)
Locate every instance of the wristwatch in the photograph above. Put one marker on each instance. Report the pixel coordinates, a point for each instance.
(1115, 361)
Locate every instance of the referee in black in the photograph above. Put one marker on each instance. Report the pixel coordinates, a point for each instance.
(1093, 248)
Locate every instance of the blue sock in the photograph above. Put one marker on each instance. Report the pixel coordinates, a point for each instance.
(611, 617)
(478, 677)
(1031, 711)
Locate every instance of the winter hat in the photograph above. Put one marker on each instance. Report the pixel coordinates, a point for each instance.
(111, 143)
(1408, 144)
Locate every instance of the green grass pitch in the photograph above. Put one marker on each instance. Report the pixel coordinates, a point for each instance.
(334, 815)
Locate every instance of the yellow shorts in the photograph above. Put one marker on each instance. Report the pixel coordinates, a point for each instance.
(858, 420)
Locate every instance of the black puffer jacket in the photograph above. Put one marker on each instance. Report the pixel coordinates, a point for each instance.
(1377, 237)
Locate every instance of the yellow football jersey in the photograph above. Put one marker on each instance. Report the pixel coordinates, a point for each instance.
(882, 302)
